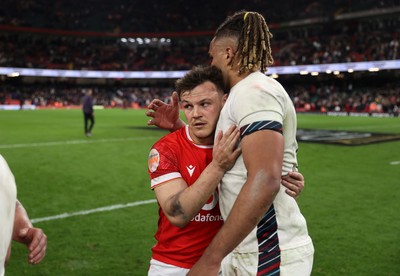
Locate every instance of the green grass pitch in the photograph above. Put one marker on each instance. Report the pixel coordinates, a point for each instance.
(351, 201)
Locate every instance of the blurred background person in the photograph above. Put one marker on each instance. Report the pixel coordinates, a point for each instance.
(87, 108)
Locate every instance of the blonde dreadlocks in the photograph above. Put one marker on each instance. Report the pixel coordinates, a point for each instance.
(253, 35)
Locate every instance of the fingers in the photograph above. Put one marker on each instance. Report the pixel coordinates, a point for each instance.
(297, 179)
(293, 187)
(233, 138)
(149, 106)
(296, 175)
(230, 135)
(39, 252)
(227, 144)
(238, 151)
(291, 193)
(37, 247)
(218, 138)
(151, 121)
(175, 99)
(229, 141)
(231, 129)
(154, 104)
(150, 113)
(226, 138)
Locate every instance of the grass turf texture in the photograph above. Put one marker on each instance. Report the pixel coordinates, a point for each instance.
(351, 200)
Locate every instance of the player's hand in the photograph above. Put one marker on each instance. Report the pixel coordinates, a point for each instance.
(226, 149)
(294, 183)
(36, 241)
(163, 115)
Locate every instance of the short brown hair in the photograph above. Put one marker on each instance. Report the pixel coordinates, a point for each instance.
(198, 75)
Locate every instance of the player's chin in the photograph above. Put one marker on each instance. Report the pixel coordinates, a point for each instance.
(203, 132)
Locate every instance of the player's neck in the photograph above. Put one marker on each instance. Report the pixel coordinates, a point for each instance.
(203, 141)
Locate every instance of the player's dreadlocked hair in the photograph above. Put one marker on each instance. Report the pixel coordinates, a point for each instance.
(253, 35)
(198, 75)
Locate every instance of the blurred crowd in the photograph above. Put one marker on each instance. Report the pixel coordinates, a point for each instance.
(99, 35)
(320, 44)
(306, 98)
(89, 35)
(374, 39)
(136, 16)
(339, 98)
(66, 96)
(76, 53)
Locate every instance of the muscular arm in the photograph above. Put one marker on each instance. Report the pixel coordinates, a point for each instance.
(180, 202)
(263, 156)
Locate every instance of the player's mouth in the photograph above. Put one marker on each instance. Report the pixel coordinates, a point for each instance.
(199, 124)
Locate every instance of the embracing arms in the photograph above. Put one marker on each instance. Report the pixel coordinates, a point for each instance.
(263, 156)
(181, 202)
(166, 116)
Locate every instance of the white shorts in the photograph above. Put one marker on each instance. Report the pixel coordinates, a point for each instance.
(239, 264)
(297, 261)
(158, 268)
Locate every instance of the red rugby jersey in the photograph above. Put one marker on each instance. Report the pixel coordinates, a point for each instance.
(176, 156)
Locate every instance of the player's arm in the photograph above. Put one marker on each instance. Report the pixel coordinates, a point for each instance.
(24, 232)
(163, 115)
(180, 202)
(262, 153)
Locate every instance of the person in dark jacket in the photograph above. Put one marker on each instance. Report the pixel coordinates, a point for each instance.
(87, 108)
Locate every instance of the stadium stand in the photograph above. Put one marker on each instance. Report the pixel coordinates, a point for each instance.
(171, 16)
(118, 36)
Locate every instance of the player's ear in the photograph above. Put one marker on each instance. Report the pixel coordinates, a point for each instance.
(229, 53)
(224, 98)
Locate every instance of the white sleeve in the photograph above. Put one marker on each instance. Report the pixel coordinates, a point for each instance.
(257, 105)
(8, 196)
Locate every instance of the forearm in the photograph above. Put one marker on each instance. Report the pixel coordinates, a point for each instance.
(262, 155)
(251, 205)
(21, 220)
(186, 204)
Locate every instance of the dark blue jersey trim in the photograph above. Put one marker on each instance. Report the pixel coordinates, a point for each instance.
(269, 253)
(260, 125)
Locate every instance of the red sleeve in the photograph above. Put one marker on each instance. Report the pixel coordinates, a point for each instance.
(163, 163)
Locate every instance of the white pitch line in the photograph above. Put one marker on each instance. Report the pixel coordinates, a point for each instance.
(71, 142)
(97, 210)
(395, 163)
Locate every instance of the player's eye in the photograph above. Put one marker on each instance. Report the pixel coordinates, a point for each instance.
(187, 106)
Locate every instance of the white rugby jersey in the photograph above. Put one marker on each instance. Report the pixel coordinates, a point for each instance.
(261, 100)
